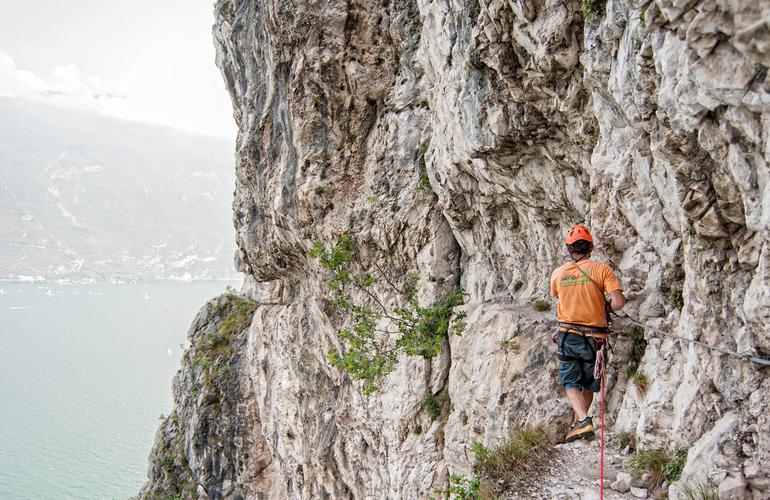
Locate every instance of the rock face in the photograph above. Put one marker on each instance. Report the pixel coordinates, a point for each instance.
(206, 446)
(458, 140)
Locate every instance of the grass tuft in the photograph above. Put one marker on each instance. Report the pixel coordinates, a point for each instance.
(674, 294)
(627, 439)
(652, 461)
(676, 464)
(661, 464)
(700, 491)
(526, 450)
(541, 305)
(435, 404)
(510, 346)
(640, 381)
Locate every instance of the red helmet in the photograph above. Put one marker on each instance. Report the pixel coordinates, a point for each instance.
(577, 232)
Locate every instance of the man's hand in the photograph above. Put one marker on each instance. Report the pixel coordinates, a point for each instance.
(617, 300)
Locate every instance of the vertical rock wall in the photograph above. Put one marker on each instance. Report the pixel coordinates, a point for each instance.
(458, 140)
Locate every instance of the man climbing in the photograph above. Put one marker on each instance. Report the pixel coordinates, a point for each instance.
(581, 286)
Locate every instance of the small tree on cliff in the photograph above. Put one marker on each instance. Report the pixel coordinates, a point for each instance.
(370, 353)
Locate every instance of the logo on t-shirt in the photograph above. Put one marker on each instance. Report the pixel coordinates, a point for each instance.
(571, 279)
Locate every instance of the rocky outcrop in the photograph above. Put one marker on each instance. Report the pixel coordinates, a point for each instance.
(206, 447)
(458, 140)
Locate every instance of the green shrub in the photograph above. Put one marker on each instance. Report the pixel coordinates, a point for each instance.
(474, 9)
(541, 305)
(435, 404)
(202, 362)
(592, 8)
(368, 354)
(424, 184)
(637, 349)
(517, 286)
(676, 297)
(417, 429)
(461, 488)
(166, 462)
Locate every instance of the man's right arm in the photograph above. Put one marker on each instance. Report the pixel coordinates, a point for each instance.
(554, 288)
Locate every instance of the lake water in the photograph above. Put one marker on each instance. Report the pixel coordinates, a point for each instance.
(85, 373)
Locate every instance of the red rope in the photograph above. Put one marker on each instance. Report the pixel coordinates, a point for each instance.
(601, 446)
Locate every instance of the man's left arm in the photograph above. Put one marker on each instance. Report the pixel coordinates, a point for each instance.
(614, 290)
(617, 300)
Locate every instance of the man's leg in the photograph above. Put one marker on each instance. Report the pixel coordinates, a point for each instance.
(579, 401)
(588, 398)
(571, 375)
(583, 427)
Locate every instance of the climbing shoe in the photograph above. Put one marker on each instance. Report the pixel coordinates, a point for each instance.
(581, 430)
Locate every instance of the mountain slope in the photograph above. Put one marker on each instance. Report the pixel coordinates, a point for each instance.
(87, 197)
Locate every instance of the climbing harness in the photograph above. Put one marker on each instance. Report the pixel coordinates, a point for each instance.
(598, 334)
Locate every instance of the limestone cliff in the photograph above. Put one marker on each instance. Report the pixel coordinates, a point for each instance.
(458, 139)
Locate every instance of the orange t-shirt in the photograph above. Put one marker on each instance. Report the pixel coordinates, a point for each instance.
(580, 300)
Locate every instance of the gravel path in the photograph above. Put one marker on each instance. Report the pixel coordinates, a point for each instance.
(574, 475)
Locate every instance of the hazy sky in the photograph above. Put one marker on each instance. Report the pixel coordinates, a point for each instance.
(148, 60)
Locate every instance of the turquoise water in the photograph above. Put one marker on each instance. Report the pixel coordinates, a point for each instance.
(85, 373)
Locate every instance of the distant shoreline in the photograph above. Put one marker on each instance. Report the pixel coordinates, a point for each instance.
(118, 281)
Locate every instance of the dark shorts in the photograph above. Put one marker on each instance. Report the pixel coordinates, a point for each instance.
(579, 373)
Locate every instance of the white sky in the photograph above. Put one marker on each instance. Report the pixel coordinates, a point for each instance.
(146, 60)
